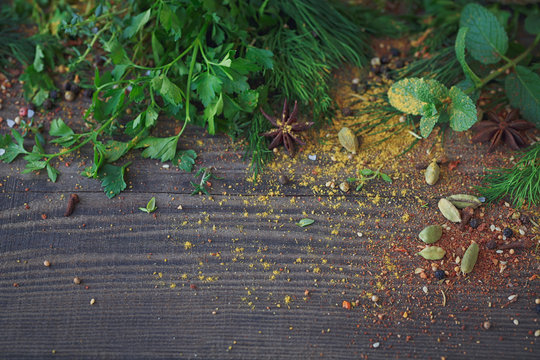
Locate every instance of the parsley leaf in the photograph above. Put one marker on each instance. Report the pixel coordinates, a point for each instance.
(112, 179)
(185, 160)
(207, 85)
(137, 23)
(14, 148)
(163, 149)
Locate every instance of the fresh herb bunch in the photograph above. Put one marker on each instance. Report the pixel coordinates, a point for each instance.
(211, 63)
(486, 41)
(521, 182)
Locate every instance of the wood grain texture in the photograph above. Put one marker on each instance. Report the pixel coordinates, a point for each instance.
(225, 277)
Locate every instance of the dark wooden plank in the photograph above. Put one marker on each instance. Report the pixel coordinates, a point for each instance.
(237, 291)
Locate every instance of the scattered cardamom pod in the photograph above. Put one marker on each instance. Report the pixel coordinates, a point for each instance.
(449, 210)
(432, 253)
(431, 234)
(461, 201)
(432, 173)
(469, 258)
(348, 139)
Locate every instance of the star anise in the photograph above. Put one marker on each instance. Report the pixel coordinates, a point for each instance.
(500, 128)
(286, 128)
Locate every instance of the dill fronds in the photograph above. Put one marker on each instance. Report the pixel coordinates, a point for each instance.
(520, 182)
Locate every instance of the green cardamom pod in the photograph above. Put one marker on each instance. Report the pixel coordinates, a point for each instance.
(431, 234)
(348, 139)
(469, 258)
(432, 253)
(461, 201)
(432, 173)
(449, 210)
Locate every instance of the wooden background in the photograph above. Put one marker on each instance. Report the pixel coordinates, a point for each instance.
(239, 290)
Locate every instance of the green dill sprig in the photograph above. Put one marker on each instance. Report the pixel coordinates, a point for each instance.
(366, 175)
(206, 175)
(521, 182)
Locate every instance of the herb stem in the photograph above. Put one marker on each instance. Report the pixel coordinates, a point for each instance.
(510, 63)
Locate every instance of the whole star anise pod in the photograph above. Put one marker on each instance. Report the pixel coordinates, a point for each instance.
(500, 128)
(286, 128)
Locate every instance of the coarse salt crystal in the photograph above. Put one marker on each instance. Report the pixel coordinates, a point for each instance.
(499, 251)
(425, 289)
(30, 113)
(359, 234)
(10, 123)
(376, 345)
(312, 157)
(492, 227)
(521, 232)
(497, 228)
(512, 297)
(516, 322)
(2, 152)
(166, 166)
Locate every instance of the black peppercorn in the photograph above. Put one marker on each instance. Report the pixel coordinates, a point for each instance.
(283, 179)
(75, 89)
(395, 52)
(508, 232)
(439, 274)
(53, 94)
(474, 223)
(491, 244)
(524, 219)
(67, 86)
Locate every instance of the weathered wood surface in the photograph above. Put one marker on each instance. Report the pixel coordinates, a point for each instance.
(238, 291)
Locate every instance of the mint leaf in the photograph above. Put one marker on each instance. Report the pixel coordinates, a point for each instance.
(532, 24)
(163, 149)
(460, 54)
(170, 91)
(207, 85)
(38, 59)
(523, 90)
(412, 94)
(185, 160)
(137, 23)
(261, 57)
(462, 110)
(428, 121)
(486, 39)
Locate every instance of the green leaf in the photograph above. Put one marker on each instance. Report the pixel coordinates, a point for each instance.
(366, 172)
(523, 90)
(40, 97)
(14, 148)
(486, 39)
(151, 206)
(34, 166)
(137, 23)
(211, 111)
(115, 103)
(59, 128)
(460, 54)
(305, 222)
(157, 48)
(207, 85)
(114, 150)
(427, 123)
(151, 116)
(163, 149)
(38, 58)
(386, 178)
(185, 160)
(170, 91)
(532, 24)
(412, 94)
(261, 57)
(137, 93)
(52, 173)
(462, 110)
(112, 179)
